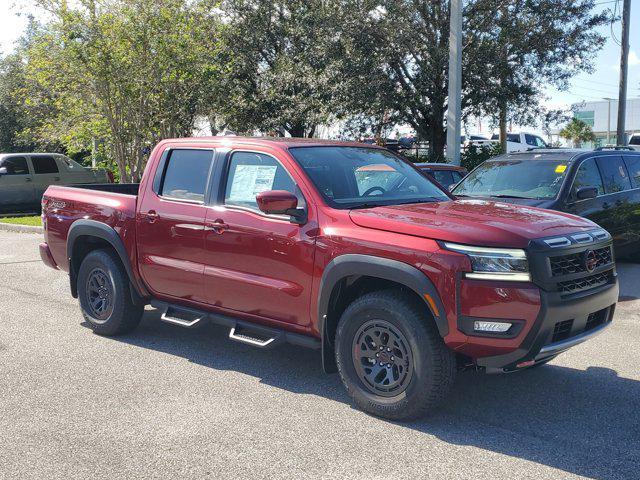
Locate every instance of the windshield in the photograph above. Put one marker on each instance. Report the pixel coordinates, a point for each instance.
(352, 177)
(535, 179)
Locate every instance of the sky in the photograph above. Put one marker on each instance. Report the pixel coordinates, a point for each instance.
(603, 82)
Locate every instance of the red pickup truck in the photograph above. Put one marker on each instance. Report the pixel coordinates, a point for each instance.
(342, 247)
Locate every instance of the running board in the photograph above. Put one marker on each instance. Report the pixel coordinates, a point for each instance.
(184, 317)
(241, 331)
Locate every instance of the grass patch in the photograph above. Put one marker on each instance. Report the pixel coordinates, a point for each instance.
(33, 221)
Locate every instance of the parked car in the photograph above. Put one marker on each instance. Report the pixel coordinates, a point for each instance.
(516, 142)
(634, 141)
(602, 185)
(25, 176)
(445, 174)
(336, 246)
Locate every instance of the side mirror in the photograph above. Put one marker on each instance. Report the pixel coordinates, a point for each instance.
(3, 170)
(584, 193)
(280, 202)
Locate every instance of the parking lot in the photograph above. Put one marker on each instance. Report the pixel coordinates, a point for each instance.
(165, 402)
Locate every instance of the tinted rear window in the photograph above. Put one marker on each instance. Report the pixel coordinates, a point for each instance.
(186, 174)
(633, 166)
(15, 165)
(44, 164)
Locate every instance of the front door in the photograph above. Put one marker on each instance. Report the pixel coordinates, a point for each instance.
(170, 226)
(16, 184)
(258, 264)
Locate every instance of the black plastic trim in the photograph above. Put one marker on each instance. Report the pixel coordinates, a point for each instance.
(93, 228)
(377, 267)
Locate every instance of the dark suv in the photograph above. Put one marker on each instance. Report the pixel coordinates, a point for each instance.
(602, 185)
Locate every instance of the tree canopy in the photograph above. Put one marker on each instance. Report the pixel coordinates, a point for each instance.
(123, 74)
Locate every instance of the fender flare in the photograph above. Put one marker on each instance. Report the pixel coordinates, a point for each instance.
(378, 267)
(93, 228)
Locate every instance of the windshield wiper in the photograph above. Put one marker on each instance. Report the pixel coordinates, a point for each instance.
(511, 196)
(365, 205)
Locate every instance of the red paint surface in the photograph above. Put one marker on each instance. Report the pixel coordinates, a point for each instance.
(268, 270)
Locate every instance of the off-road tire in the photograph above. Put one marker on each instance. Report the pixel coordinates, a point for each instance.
(122, 316)
(433, 368)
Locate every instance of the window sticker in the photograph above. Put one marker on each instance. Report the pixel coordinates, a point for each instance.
(249, 180)
(561, 168)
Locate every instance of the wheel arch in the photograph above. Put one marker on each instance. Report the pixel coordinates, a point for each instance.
(346, 270)
(86, 235)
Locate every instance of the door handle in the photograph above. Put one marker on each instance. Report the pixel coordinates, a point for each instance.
(151, 216)
(28, 180)
(217, 226)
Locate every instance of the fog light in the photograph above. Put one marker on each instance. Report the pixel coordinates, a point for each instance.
(494, 327)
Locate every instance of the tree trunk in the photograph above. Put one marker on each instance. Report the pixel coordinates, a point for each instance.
(296, 130)
(503, 125)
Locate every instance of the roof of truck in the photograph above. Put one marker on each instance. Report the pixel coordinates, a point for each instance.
(285, 142)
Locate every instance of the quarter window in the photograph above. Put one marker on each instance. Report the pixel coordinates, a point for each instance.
(252, 173)
(588, 175)
(15, 165)
(44, 164)
(614, 174)
(186, 175)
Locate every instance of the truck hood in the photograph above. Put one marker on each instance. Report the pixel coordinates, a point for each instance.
(529, 202)
(472, 222)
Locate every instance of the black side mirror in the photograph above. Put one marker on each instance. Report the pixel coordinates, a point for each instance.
(3, 170)
(583, 193)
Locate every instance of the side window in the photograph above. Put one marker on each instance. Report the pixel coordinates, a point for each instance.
(15, 165)
(633, 166)
(634, 140)
(614, 174)
(513, 137)
(588, 175)
(186, 175)
(457, 176)
(443, 177)
(530, 139)
(44, 164)
(540, 142)
(252, 173)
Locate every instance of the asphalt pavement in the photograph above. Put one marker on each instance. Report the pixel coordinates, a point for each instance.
(166, 402)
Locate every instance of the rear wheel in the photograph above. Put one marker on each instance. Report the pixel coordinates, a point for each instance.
(391, 357)
(105, 298)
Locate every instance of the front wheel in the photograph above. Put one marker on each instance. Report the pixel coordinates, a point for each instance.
(391, 357)
(105, 298)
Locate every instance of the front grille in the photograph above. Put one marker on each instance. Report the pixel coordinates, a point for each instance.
(596, 319)
(562, 330)
(584, 283)
(574, 263)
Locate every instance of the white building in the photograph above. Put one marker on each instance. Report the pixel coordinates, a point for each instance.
(602, 117)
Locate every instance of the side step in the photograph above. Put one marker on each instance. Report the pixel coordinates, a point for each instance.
(239, 330)
(185, 317)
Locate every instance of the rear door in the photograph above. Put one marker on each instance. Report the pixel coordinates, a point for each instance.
(45, 173)
(16, 185)
(616, 205)
(170, 225)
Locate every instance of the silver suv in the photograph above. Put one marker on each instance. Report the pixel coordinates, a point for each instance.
(25, 176)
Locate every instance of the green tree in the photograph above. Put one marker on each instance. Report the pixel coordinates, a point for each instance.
(128, 72)
(398, 52)
(578, 132)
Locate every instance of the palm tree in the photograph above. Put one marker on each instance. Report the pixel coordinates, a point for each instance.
(577, 131)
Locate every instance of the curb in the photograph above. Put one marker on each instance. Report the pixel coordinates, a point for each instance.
(12, 227)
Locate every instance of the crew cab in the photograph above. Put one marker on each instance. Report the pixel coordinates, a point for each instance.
(602, 185)
(25, 176)
(342, 247)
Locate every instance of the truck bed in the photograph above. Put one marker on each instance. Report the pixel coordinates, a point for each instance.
(123, 188)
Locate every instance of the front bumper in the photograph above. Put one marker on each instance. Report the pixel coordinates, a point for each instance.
(543, 342)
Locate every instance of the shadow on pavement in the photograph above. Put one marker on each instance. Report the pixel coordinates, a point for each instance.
(583, 422)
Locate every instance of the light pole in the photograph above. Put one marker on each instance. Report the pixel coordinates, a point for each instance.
(608, 119)
(455, 82)
(624, 66)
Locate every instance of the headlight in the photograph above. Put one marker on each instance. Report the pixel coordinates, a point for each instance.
(494, 263)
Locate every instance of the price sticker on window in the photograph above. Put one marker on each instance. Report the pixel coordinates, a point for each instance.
(561, 168)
